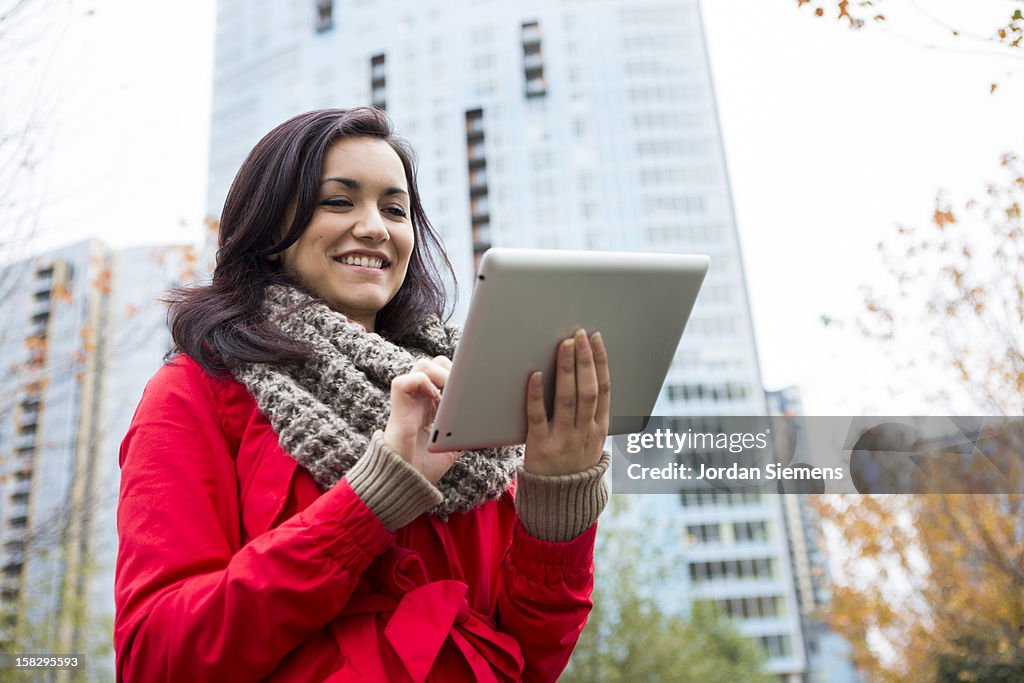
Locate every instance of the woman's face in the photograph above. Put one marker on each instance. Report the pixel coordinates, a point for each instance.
(355, 251)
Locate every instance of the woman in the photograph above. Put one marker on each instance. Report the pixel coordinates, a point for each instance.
(280, 517)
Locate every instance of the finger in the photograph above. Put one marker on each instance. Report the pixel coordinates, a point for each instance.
(586, 381)
(565, 386)
(414, 384)
(437, 373)
(536, 415)
(444, 361)
(604, 380)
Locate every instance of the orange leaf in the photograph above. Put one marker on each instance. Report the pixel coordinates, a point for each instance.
(941, 218)
(62, 292)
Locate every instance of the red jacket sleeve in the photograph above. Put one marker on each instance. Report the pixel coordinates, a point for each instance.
(191, 603)
(544, 598)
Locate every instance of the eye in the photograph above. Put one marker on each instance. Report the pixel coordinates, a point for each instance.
(336, 202)
(396, 211)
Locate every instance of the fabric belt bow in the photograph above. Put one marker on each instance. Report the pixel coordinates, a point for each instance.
(425, 616)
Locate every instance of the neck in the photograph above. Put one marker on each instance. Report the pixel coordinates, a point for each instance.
(367, 325)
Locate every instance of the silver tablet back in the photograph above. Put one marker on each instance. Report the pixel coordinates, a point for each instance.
(527, 300)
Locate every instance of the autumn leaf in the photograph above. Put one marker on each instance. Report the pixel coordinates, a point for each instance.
(103, 280)
(61, 292)
(943, 218)
(844, 10)
(88, 335)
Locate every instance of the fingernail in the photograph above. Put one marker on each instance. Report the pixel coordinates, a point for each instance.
(567, 344)
(596, 337)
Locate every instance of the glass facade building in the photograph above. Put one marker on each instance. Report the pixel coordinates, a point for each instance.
(80, 334)
(575, 124)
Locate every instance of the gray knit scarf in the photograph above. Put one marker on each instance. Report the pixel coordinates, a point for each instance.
(325, 411)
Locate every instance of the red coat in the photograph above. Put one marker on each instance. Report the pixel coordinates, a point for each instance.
(233, 566)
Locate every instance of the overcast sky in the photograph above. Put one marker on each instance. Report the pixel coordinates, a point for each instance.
(832, 138)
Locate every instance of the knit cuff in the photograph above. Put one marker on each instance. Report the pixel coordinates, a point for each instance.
(390, 486)
(561, 507)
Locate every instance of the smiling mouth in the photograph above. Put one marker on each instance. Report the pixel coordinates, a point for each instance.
(363, 261)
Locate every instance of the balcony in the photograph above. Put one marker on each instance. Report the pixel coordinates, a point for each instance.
(474, 123)
(536, 87)
(481, 234)
(20, 487)
(480, 209)
(44, 278)
(28, 421)
(475, 153)
(531, 34)
(25, 442)
(324, 12)
(14, 559)
(39, 307)
(478, 182)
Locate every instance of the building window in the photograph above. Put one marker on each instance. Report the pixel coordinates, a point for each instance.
(536, 86)
(749, 608)
(746, 569)
(478, 180)
(324, 15)
(703, 533)
(475, 151)
(480, 206)
(776, 646)
(476, 163)
(533, 60)
(378, 81)
(750, 532)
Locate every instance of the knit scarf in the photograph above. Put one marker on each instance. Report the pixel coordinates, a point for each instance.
(325, 411)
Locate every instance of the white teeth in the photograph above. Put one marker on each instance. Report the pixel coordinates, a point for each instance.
(363, 261)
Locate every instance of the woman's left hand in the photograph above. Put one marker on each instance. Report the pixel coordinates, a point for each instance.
(573, 439)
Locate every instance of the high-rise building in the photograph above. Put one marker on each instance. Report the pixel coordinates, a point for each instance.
(828, 654)
(80, 334)
(586, 124)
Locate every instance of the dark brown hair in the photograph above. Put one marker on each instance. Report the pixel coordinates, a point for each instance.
(220, 324)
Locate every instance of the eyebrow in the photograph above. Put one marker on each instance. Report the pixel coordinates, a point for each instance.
(354, 184)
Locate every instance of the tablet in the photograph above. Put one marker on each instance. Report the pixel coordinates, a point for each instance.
(526, 301)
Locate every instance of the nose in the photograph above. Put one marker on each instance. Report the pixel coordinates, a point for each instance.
(370, 225)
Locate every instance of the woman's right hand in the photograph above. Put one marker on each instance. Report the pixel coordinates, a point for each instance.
(414, 399)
